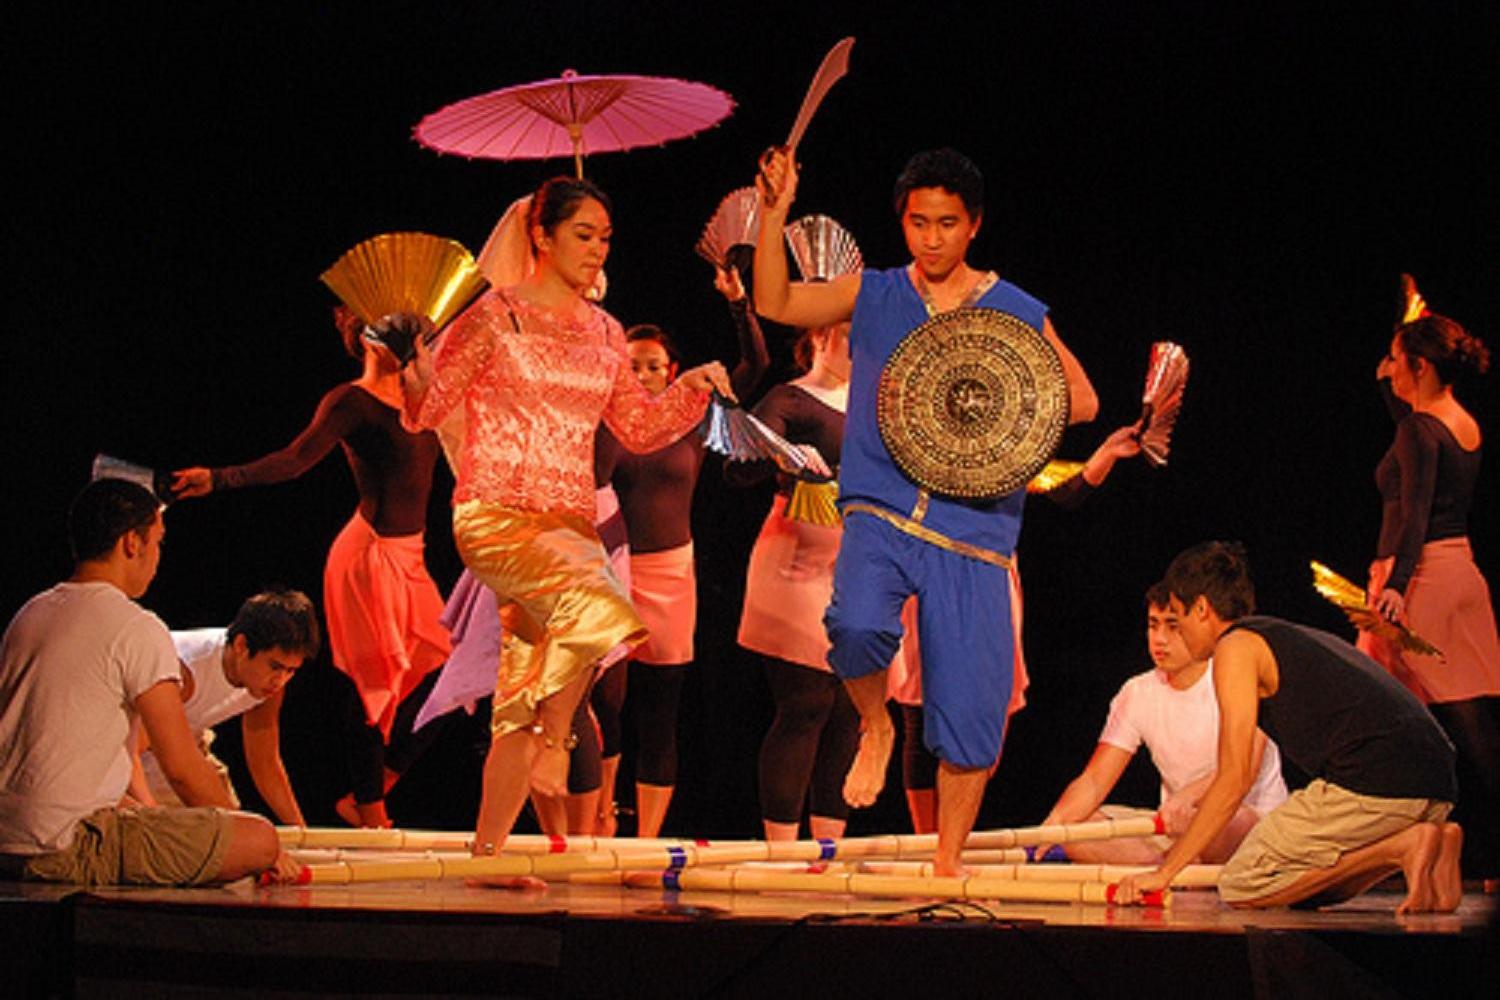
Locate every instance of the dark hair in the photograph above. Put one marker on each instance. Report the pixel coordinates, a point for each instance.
(942, 168)
(1158, 595)
(649, 331)
(1448, 347)
(277, 619)
(351, 329)
(1217, 571)
(557, 199)
(104, 511)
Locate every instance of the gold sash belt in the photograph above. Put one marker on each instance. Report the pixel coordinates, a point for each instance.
(926, 534)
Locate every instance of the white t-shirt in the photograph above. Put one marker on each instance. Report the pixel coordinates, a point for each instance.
(213, 700)
(1181, 731)
(72, 663)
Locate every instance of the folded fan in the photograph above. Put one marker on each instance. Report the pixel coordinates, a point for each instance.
(729, 236)
(1053, 475)
(739, 436)
(822, 248)
(1166, 378)
(405, 274)
(1350, 598)
(815, 503)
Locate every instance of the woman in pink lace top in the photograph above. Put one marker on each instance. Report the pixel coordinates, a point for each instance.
(530, 371)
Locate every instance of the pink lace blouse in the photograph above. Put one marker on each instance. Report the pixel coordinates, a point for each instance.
(530, 387)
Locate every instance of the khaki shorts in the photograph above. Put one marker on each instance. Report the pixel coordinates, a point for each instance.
(1312, 829)
(139, 847)
(1159, 842)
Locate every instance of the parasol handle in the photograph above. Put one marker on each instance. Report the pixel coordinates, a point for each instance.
(575, 132)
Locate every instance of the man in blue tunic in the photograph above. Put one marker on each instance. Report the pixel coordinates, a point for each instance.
(900, 540)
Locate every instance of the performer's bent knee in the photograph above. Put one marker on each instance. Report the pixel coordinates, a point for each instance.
(858, 649)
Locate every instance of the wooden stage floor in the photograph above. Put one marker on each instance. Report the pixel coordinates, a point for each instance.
(448, 939)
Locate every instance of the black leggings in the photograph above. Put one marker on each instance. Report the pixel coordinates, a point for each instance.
(812, 741)
(1474, 728)
(584, 772)
(608, 699)
(919, 767)
(655, 693)
(368, 756)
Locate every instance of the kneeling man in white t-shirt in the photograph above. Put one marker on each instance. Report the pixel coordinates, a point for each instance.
(1173, 711)
(240, 671)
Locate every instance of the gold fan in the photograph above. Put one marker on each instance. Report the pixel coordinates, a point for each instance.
(1413, 306)
(1053, 475)
(1350, 599)
(410, 273)
(815, 503)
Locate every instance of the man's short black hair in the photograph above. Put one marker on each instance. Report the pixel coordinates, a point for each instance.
(1158, 596)
(104, 511)
(942, 168)
(278, 619)
(1217, 571)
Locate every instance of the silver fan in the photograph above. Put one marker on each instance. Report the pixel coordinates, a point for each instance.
(1166, 378)
(735, 223)
(739, 436)
(823, 249)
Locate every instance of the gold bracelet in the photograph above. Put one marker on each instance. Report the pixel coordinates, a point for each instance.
(568, 742)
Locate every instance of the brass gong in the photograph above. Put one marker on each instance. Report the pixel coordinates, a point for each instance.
(972, 403)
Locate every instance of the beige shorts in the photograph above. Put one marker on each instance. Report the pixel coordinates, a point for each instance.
(139, 847)
(1312, 829)
(1159, 842)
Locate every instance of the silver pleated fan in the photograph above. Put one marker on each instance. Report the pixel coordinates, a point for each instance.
(1166, 378)
(823, 249)
(735, 223)
(739, 436)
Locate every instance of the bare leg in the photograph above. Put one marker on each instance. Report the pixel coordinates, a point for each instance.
(549, 766)
(876, 738)
(960, 792)
(583, 813)
(921, 803)
(651, 804)
(779, 831)
(551, 813)
(1222, 848)
(1413, 851)
(826, 827)
(507, 773)
(252, 848)
(605, 824)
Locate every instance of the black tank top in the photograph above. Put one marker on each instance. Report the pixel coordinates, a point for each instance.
(1339, 716)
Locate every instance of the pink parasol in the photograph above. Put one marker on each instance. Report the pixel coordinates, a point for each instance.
(574, 114)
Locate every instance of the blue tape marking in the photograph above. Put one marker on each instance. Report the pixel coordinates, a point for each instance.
(678, 857)
(670, 879)
(830, 849)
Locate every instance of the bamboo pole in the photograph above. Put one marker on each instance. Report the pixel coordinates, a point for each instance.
(896, 846)
(1191, 877)
(882, 886)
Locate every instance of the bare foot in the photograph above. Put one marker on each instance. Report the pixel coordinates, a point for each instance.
(346, 811)
(867, 774)
(1447, 879)
(948, 868)
(549, 771)
(516, 883)
(1416, 865)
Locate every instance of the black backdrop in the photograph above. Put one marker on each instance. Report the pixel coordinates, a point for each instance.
(1248, 183)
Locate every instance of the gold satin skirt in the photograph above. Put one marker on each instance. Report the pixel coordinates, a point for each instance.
(561, 606)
